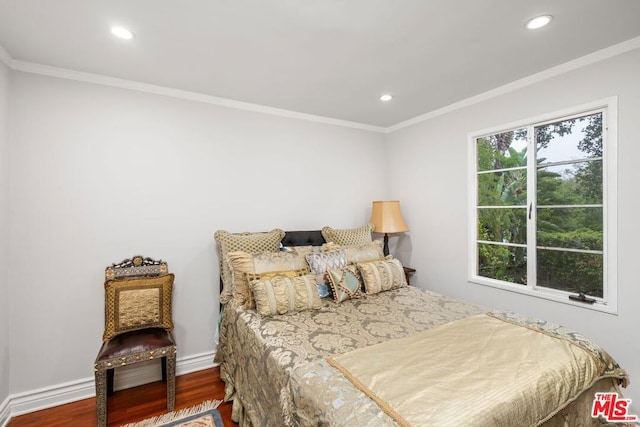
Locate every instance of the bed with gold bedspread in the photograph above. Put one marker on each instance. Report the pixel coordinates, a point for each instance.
(402, 356)
(276, 368)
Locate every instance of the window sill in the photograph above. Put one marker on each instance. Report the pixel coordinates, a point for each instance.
(548, 294)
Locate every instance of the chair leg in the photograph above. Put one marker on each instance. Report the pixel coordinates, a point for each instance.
(171, 382)
(163, 361)
(110, 376)
(101, 397)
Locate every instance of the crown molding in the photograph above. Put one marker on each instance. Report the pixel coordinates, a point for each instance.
(46, 70)
(592, 58)
(5, 57)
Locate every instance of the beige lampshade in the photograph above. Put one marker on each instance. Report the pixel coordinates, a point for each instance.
(387, 218)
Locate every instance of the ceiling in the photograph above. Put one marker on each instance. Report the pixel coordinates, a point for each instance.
(331, 58)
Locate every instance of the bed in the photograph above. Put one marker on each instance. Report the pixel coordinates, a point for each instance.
(340, 364)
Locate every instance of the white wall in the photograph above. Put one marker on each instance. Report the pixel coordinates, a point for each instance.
(99, 174)
(4, 233)
(428, 172)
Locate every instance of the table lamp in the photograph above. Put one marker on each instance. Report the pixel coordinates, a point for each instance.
(387, 218)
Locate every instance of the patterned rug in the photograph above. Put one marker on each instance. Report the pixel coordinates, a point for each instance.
(202, 415)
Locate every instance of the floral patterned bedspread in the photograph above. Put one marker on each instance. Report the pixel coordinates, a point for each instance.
(275, 370)
(264, 360)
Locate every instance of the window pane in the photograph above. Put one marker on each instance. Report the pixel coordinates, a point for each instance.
(572, 184)
(507, 188)
(508, 225)
(502, 150)
(574, 139)
(574, 228)
(570, 271)
(502, 263)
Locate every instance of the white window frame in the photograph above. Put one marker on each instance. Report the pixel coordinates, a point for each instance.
(609, 301)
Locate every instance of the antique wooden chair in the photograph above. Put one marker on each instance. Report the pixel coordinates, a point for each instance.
(138, 324)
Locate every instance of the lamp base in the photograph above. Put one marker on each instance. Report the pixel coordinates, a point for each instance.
(385, 249)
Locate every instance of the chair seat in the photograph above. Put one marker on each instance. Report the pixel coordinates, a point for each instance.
(135, 346)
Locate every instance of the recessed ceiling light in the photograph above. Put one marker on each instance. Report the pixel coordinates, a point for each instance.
(538, 22)
(386, 98)
(122, 33)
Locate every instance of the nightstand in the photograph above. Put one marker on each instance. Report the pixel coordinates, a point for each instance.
(408, 271)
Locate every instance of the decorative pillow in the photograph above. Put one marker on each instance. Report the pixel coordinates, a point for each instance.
(282, 295)
(346, 283)
(349, 236)
(247, 242)
(301, 249)
(382, 275)
(140, 303)
(271, 274)
(242, 263)
(361, 253)
(320, 262)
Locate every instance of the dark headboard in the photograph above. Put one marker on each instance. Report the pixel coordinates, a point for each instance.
(303, 238)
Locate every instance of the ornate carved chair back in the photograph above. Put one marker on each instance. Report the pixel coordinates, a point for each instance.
(138, 266)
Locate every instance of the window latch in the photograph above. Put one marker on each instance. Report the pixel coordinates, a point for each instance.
(530, 208)
(582, 298)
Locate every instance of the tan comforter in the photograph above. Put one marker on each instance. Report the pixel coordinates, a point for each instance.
(516, 375)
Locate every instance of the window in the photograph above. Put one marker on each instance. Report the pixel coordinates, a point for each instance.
(542, 209)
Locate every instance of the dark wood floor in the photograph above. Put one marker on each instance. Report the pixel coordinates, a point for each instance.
(135, 404)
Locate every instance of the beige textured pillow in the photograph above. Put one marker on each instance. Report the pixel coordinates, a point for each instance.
(360, 253)
(349, 236)
(243, 263)
(282, 295)
(140, 303)
(246, 242)
(271, 274)
(382, 275)
(302, 249)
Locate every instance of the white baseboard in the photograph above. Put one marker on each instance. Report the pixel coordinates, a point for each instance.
(47, 397)
(137, 374)
(5, 412)
(196, 362)
(150, 371)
